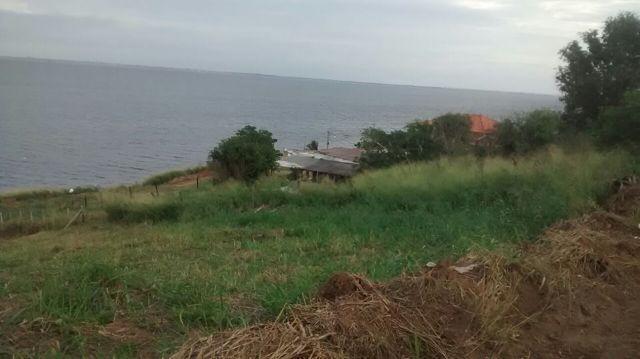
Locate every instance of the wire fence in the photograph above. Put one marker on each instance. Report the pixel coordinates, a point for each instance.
(47, 214)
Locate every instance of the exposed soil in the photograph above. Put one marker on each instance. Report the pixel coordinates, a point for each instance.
(12, 230)
(190, 180)
(571, 294)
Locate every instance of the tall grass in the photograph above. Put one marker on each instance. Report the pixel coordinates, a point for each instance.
(232, 254)
(395, 219)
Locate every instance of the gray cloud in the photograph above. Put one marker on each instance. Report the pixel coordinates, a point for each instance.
(488, 44)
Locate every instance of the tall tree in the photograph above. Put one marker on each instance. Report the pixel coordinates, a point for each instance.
(452, 131)
(621, 124)
(246, 155)
(600, 69)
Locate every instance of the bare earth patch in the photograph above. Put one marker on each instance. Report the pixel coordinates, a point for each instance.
(571, 294)
(190, 180)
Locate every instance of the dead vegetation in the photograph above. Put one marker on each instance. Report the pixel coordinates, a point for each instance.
(573, 293)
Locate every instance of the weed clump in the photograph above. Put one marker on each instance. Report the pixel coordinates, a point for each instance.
(84, 290)
(142, 212)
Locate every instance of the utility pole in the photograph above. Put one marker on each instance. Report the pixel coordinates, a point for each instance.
(328, 135)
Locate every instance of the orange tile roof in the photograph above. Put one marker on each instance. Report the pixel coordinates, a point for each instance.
(482, 124)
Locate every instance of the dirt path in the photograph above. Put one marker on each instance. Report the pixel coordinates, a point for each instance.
(574, 293)
(190, 180)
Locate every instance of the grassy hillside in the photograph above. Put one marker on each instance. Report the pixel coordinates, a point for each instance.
(229, 254)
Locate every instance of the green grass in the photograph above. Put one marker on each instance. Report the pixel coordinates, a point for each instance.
(228, 255)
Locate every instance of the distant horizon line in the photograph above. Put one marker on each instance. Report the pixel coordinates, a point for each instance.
(191, 69)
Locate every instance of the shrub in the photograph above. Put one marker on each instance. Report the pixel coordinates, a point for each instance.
(246, 155)
(539, 128)
(452, 133)
(621, 124)
(508, 137)
(528, 132)
(35, 194)
(313, 145)
(382, 149)
(135, 213)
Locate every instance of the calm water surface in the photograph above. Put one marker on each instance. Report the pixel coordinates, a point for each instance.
(64, 124)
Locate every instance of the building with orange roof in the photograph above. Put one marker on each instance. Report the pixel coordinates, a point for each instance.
(482, 129)
(481, 125)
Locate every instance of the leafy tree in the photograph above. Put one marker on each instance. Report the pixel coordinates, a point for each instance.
(621, 124)
(528, 132)
(452, 132)
(598, 71)
(313, 145)
(508, 137)
(247, 154)
(414, 143)
(538, 128)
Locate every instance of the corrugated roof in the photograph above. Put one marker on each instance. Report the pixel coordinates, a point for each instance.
(321, 165)
(349, 154)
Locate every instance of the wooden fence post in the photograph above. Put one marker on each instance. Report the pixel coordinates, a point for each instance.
(157, 192)
(84, 207)
(197, 182)
(130, 193)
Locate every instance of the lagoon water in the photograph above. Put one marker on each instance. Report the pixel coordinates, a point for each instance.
(64, 124)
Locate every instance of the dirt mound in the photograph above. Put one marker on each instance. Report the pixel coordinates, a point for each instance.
(342, 284)
(626, 201)
(12, 230)
(572, 294)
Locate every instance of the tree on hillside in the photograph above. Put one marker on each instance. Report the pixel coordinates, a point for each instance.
(621, 124)
(508, 137)
(414, 143)
(313, 145)
(598, 71)
(538, 128)
(246, 155)
(528, 132)
(452, 132)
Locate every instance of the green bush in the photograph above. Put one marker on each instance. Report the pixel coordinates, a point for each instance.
(313, 145)
(143, 212)
(451, 132)
(621, 124)
(247, 155)
(414, 143)
(528, 132)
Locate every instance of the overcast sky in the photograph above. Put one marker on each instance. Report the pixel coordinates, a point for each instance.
(507, 45)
